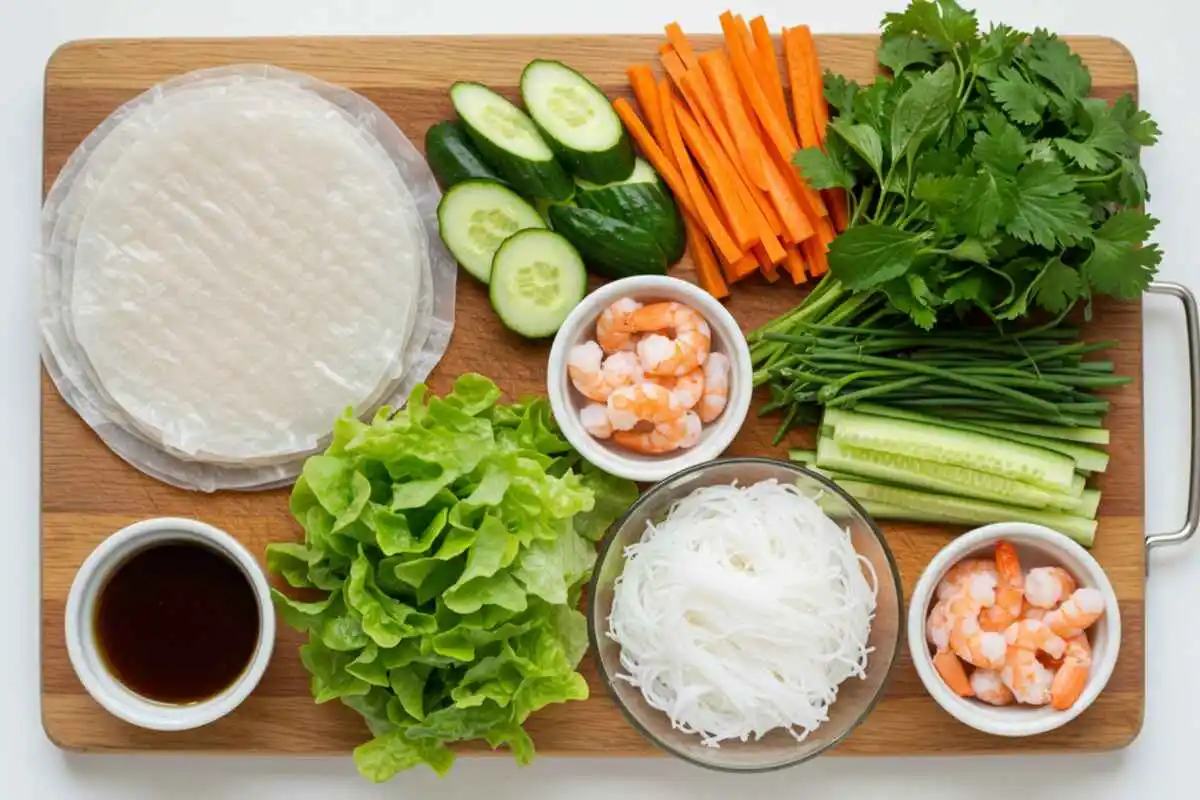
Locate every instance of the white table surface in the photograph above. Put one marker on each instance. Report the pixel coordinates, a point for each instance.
(1161, 763)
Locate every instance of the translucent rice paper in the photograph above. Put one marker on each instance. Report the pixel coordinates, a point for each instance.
(230, 260)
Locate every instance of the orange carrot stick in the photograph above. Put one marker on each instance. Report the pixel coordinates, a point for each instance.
(708, 272)
(767, 64)
(835, 201)
(695, 91)
(645, 89)
(744, 267)
(769, 269)
(681, 45)
(797, 66)
(720, 74)
(722, 180)
(808, 51)
(780, 135)
(705, 213)
(814, 254)
(794, 264)
(655, 155)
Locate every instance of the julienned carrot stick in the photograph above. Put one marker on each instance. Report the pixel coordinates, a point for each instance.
(825, 233)
(654, 154)
(794, 264)
(814, 255)
(645, 89)
(722, 180)
(695, 91)
(808, 51)
(797, 66)
(779, 134)
(797, 217)
(835, 201)
(682, 46)
(767, 63)
(708, 272)
(729, 96)
(704, 211)
(769, 269)
(744, 267)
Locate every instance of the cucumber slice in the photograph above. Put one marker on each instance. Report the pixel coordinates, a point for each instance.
(537, 279)
(1085, 435)
(612, 248)
(905, 470)
(1087, 458)
(510, 142)
(476, 216)
(968, 511)
(1033, 465)
(644, 205)
(453, 157)
(578, 121)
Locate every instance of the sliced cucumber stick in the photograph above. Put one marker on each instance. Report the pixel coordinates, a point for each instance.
(537, 278)
(578, 121)
(475, 217)
(510, 142)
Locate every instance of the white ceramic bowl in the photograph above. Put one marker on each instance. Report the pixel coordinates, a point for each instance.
(1037, 546)
(566, 401)
(80, 621)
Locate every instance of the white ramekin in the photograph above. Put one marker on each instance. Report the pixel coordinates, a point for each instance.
(1037, 546)
(80, 622)
(580, 326)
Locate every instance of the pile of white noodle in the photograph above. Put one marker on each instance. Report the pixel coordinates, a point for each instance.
(743, 612)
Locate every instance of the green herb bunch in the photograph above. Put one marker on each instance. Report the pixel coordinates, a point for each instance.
(982, 175)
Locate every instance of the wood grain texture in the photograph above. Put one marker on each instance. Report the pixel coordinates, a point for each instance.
(87, 492)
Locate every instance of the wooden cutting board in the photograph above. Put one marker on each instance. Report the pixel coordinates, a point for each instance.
(87, 492)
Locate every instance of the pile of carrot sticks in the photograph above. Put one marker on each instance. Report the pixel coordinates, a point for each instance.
(720, 134)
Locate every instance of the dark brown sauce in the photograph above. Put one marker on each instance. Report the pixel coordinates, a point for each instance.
(177, 622)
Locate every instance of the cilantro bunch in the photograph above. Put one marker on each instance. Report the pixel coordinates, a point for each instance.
(982, 175)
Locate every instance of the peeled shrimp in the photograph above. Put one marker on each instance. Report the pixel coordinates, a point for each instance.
(1073, 674)
(938, 625)
(662, 355)
(716, 386)
(952, 583)
(950, 667)
(1010, 590)
(688, 389)
(664, 438)
(594, 417)
(585, 366)
(1027, 677)
(643, 402)
(1046, 587)
(694, 429)
(1077, 613)
(614, 330)
(984, 649)
(988, 687)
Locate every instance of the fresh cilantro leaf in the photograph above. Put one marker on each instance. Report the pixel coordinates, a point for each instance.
(1023, 101)
(941, 193)
(821, 170)
(1136, 123)
(1052, 60)
(1042, 151)
(1084, 154)
(1048, 210)
(902, 297)
(867, 255)
(970, 250)
(1121, 264)
(922, 110)
(862, 139)
(840, 93)
(901, 52)
(1131, 185)
(989, 203)
(944, 22)
(1000, 147)
(996, 50)
(1058, 288)
(1104, 130)
(871, 103)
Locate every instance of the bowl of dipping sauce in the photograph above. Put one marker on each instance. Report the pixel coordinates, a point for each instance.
(169, 624)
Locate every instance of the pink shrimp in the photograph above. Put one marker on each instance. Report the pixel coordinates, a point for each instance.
(664, 438)
(988, 687)
(1072, 676)
(1027, 677)
(716, 386)
(594, 418)
(1046, 587)
(614, 329)
(694, 428)
(952, 582)
(584, 365)
(662, 355)
(984, 649)
(1077, 613)
(642, 402)
(1010, 590)
(688, 389)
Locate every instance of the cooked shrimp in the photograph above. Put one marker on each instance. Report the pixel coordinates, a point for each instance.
(1046, 587)
(688, 389)
(1033, 612)
(716, 386)
(649, 402)
(1073, 674)
(622, 369)
(1010, 590)
(1027, 677)
(694, 429)
(584, 366)
(614, 330)
(1030, 634)
(594, 418)
(950, 667)
(984, 649)
(951, 583)
(939, 625)
(665, 437)
(988, 687)
(662, 355)
(1077, 613)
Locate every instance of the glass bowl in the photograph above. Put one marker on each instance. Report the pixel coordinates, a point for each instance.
(856, 697)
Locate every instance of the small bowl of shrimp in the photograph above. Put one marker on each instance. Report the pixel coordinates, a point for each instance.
(1014, 629)
(649, 375)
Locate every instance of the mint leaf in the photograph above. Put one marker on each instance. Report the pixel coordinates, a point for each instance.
(902, 51)
(867, 255)
(922, 110)
(1048, 211)
(1023, 101)
(821, 170)
(1058, 288)
(862, 139)
(1121, 264)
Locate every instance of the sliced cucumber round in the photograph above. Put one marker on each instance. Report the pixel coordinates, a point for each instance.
(642, 173)
(537, 278)
(475, 217)
(510, 142)
(578, 121)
